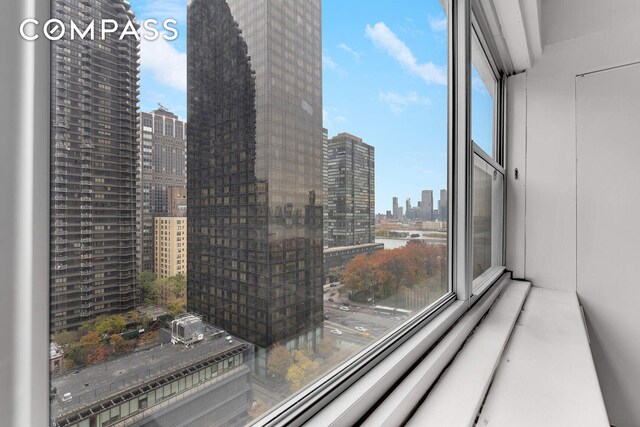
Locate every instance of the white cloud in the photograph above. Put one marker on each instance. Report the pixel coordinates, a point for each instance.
(398, 102)
(161, 10)
(329, 64)
(346, 48)
(341, 119)
(387, 40)
(167, 65)
(438, 24)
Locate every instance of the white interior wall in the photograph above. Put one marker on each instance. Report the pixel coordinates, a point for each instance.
(542, 137)
(548, 194)
(608, 232)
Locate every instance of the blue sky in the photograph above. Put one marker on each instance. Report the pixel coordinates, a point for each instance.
(384, 80)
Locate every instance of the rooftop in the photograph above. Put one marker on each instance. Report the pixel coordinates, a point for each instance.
(102, 380)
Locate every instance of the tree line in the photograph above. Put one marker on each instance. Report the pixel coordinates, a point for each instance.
(387, 272)
(167, 292)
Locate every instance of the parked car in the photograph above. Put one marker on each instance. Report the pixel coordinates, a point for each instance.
(330, 300)
(360, 329)
(336, 331)
(344, 308)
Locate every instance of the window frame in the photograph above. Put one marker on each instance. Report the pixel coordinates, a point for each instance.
(25, 399)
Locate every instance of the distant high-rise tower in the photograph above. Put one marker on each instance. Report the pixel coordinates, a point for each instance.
(325, 184)
(443, 212)
(163, 149)
(350, 196)
(396, 212)
(94, 145)
(407, 208)
(254, 193)
(427, 205)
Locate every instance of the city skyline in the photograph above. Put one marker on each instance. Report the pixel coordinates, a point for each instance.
(355, 94)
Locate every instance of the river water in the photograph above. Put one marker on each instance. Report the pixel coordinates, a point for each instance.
(390, 243)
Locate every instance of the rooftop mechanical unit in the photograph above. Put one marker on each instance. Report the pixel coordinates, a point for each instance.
(187, 329)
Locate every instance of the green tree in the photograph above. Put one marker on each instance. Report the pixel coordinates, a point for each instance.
(147, 295)
(66, 338)
(113, 324)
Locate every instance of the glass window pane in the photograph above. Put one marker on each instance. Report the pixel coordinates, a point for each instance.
(488, 226)
(483, 92)
(290, 194)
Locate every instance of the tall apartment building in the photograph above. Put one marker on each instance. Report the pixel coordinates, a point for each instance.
(443, 211)
(395, 211)
(325, 185)
(427, 205)
(170, 246)
(350, 195)
(254, 192)
(163, 167)
(408, 209)
(177, 200)
(94, 97)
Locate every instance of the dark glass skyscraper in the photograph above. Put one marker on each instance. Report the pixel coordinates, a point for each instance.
(254, 176)
(94, 101)
(350, 165)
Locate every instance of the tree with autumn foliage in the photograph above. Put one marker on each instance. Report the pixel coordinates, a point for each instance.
(387, 272)
(303, 371)
(279, 361)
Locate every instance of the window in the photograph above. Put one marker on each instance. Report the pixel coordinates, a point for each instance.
(318, 190)
(483, 98)
(488, 175)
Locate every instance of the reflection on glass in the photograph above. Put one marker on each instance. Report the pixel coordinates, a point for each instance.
(483, 91)
(487, 217)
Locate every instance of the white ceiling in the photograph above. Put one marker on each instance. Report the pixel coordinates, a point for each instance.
(567, 19)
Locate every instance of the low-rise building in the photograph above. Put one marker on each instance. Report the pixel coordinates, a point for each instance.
(56, 357)
(434, 225)
(208, 383)
(336, 259)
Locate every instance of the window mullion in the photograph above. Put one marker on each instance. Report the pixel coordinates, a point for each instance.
(461, 152)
